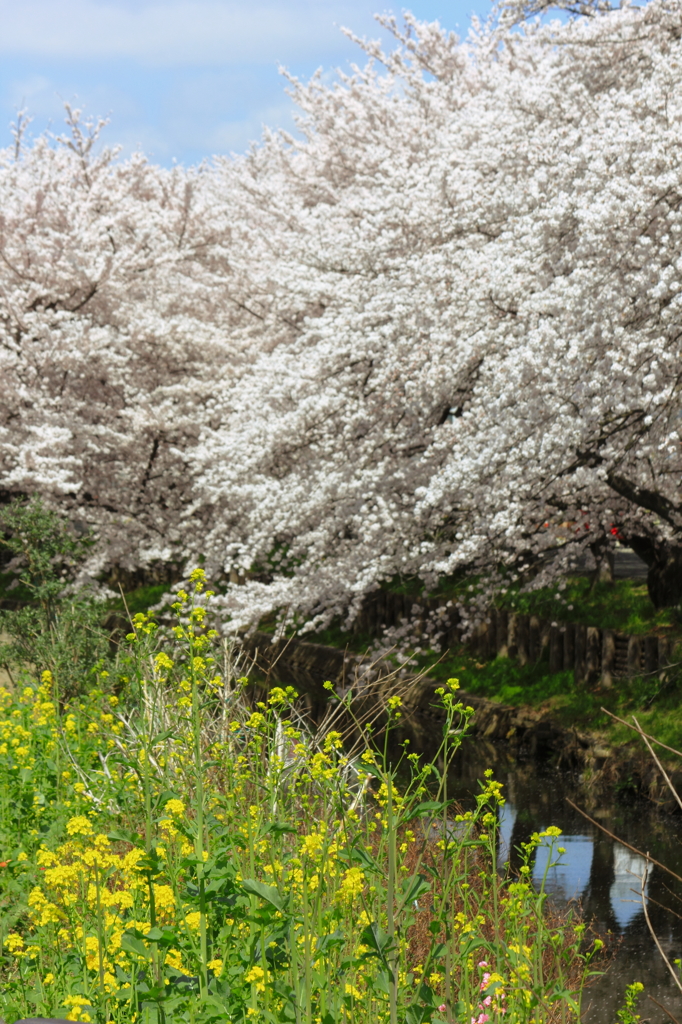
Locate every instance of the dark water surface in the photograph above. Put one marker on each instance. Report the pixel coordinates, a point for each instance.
(598, 872)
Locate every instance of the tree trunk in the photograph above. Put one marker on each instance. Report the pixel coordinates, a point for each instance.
(664, 579)
(605, 559)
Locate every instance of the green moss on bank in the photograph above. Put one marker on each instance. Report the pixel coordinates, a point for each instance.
(656, 701)
(623, 605)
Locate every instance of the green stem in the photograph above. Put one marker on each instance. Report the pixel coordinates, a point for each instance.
(390, 900)
(199, 842)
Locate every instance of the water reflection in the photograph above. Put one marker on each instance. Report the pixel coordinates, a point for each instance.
(595, 871)
(568, 878)
(629, 869)
(569, 875)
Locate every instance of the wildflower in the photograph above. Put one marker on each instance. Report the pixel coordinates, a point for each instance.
(311, 845)
(175, 807)
(14, 942)
(352, 885)
(164, 897)
(198, 578)
(216, 966)
(352, 991)
(279, 696)
(44, 912)
(256, 976)
(332, 741)
(77, 1005)
(174, 959)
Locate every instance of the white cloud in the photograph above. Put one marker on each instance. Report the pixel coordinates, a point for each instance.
(164, 32)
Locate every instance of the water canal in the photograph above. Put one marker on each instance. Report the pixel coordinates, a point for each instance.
(598, 874)
(595, 871)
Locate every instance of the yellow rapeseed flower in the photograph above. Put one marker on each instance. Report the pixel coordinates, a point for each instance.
(14, 942)
(256, 976)
(352, 884)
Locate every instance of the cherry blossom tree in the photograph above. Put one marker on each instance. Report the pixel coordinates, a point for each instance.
(490, 232)
(434, 334)
(119, 306)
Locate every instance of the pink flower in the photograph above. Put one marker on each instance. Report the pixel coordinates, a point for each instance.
(483, 963)
(442, 1008)
(486, 979)
(487, 1001)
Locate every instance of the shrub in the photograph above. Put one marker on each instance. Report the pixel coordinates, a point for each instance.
(57, 626)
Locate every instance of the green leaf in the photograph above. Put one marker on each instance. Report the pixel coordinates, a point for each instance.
(377, 940)
(164, 936)
(266, 892)
(163, 736)
(426, 994)
(120, 835)
(413, 888)
(132, 945)
(216, 1004)
(430, 807)
(382, 982)
(358, 855)
(418, 1015)
(326, 942)
(165, 795)
(277, 828)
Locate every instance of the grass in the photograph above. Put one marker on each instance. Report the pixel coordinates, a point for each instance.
(656, 701)
(624, 606)
(172, 851)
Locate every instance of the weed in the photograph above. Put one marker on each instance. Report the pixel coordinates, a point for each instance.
(56, 627)
(176, 853)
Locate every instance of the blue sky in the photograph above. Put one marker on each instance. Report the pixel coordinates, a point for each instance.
(181, 79)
